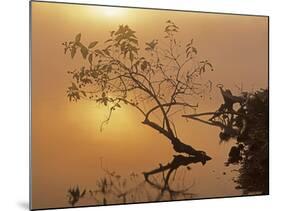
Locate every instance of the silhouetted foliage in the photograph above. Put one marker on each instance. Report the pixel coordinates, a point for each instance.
(248, 125)
(254, 171)
(74, 195)
(159, 80)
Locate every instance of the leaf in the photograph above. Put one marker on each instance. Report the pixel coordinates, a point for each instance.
(187, 49)
(86, 81)
(109, 40)
(189, 44)
(76, 76)
(74, 86)
(93, 44)
(134, 41)
(84, 51)
(90, 58)
(210, 65)
(144, 65)
(131, 57)
(194, 50)
(77, 96)
(99, 52)
(78, 37)
(79, 44)
(84, 93)
(73, 52)
(152, 44)
(167, 28)
(106, 52)
(94, 74)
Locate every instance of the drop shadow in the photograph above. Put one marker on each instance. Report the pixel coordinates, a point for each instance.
(24, 205)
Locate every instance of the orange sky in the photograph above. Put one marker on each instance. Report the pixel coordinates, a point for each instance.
(66, 141)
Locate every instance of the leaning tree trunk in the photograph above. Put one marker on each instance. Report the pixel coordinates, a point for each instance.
(178, 145)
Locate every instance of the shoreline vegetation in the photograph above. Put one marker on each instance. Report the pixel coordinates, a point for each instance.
(248, 125)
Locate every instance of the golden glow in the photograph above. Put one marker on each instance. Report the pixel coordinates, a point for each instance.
(122, 119)
(112, 11)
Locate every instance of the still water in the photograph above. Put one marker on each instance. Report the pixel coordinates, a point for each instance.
(69, 152)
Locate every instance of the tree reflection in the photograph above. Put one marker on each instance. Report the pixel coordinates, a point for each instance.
(178, 161)
(154, 185)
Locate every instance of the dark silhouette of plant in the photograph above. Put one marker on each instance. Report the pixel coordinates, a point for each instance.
(254, 171)
(248, 124)
(74, 195)
(159, 79)
(232, 122)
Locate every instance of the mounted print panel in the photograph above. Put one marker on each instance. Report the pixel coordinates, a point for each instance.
(134, 105)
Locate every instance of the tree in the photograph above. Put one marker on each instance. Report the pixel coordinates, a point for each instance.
(157, 80)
